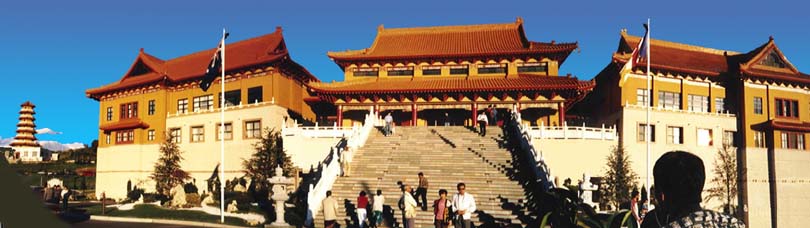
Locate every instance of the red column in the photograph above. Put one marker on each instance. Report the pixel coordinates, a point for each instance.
(340, 115)
(413, 114)
(561, 113)
(474, 114)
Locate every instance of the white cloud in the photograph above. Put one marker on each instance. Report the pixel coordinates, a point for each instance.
(5, 141)
(48, 131)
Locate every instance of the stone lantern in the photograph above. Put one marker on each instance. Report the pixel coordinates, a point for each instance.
(279, 195)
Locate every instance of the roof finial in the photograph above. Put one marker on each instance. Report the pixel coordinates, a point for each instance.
(624, 31)
(278, 29)
(380, 28)
(519, 20)
(770, 38)
(141, 50)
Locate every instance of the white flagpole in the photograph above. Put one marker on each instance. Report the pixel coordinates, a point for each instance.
(222, 134)
(649, 96)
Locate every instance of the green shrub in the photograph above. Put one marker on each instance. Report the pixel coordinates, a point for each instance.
(193, 199)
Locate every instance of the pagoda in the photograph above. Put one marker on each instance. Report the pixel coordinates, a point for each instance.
(25, 144)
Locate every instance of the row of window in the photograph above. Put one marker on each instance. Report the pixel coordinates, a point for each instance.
(789, 140)
(672, 100)
(536, 67)
(252, 130)
(675, 135)
(786, 108)
(199, 103)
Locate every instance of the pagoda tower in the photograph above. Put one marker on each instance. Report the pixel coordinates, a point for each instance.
(25, 144)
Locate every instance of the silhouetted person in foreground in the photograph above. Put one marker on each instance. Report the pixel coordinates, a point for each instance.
(679, 178)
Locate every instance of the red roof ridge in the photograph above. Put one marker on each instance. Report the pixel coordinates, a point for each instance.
(682, 46)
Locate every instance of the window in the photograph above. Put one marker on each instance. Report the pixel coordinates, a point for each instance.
(232, 98)
(704, 137)
(532, 67)
(253, 129)
(176, 134)
(431, 70)
(197, 134)
(107, 138)
(124, 136)
(109, 113)
(728, 138)
(698, 103)
(182, 105)
(129, 111)
(787, 108)
(151, 110)
(205, 102)
(460, 70)
(492, 69)
(674, 135)
(642, 97)
(759, 139)
(400, 71)
(228, 131)
(669, 100)
(255, 95)
(150, 135)
(365, 72)
(757, 105)
(719, 105)
(642, 128)
(793, 140)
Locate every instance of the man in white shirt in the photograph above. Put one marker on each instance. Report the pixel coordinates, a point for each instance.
(464, 206)
(377, 206)
(408, 205)
(482, 123)
(330, 210)
(388, 121)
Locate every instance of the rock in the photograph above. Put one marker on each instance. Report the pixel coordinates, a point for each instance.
(208, 200)
(232, 207)
(239, 188)
(178, 196)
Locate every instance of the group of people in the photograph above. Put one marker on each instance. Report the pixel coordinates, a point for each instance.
(484, 117)
(56, 194)
(457, 210)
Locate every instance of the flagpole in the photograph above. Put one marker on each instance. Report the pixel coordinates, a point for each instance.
(222, 134)
(649, 96)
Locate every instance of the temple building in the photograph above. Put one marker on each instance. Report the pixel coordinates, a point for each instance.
(25, 146)
(748, 102)
(155, 98)
(429, 75)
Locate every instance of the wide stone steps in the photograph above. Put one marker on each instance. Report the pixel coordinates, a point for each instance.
(447, 156)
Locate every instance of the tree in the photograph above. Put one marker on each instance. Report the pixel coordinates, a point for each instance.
(724, 182)
(619, 177)
(269, 154)
(167, 172)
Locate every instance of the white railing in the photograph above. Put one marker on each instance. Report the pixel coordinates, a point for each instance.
(662, 109)
(227, 108)
(541, 171)
(572, 132)
(355, 139)
(317, 131)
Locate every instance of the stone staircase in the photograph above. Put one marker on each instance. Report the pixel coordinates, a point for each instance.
(447, 156)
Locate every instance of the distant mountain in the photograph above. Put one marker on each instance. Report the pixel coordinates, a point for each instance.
(57, 146)
(50, 145)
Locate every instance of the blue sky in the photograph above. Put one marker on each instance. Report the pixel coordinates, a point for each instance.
(54, 50)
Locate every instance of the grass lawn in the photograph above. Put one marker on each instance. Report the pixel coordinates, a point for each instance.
(154, 212)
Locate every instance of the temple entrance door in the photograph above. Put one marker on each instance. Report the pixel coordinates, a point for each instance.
(438, 117)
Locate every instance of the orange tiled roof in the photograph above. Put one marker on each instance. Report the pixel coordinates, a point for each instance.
(258, 50)
(790, 126)
(519, 83)
(452, 41)
(124, 124)
(678, 57)
(671, 56)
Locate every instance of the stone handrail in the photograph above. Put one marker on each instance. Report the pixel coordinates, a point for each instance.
(331, 168)
(318, 131)
(542, 174)
(572, 132)
(227, 108)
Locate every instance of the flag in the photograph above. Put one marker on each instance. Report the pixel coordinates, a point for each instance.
(639, 54)
(214, 67)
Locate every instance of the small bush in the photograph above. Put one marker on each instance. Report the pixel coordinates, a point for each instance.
(190, 188)
(193, 199)
(135, 194)
(150, 197)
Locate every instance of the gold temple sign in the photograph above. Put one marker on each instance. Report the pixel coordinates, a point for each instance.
(395, 107)
(444, 106)
(356, 107)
